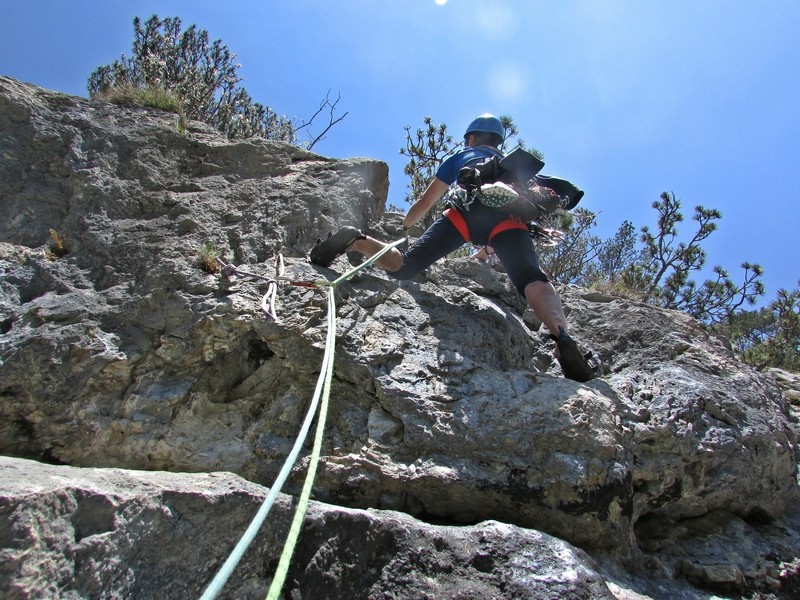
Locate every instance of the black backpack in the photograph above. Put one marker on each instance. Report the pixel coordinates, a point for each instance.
(513, 183)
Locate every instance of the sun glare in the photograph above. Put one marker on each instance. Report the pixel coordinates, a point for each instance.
(440, 2)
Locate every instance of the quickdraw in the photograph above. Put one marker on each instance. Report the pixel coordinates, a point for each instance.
(268, 300)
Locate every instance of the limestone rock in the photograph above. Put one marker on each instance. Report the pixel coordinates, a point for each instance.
(103, 533)
(789, 383)
(118, 350)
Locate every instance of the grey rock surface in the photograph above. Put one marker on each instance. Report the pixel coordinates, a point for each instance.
(103, 533)
(447, 404)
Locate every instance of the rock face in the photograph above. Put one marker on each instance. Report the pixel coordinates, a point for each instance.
(154, 535)
(118, 350)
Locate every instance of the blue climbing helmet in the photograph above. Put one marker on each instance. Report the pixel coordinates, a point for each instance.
(487, 124)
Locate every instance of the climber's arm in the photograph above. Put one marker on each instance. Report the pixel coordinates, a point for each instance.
(425, 203)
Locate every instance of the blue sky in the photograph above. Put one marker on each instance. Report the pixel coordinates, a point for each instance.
(628, 99)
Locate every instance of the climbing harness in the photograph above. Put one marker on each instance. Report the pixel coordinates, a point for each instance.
(511, 184)
(321, 396)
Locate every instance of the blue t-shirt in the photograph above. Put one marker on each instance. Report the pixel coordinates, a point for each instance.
(448, 170)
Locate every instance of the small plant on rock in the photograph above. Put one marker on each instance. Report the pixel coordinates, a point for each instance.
(57, 247)
(207, 258)
(149, 96)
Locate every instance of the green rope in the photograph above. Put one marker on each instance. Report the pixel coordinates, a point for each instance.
(302, 506)
(222, 576)
(305, 495)
(322, 391)
(368, 262)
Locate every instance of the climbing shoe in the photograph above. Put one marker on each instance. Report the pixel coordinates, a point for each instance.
(326, 251)
(573, 363)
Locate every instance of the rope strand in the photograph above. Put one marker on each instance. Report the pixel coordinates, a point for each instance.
(322, 391)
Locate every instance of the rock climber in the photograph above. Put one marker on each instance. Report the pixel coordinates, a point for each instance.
(481, 225)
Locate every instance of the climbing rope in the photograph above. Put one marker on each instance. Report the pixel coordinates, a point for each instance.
(300, 512)
(321, 392)
(268, 299)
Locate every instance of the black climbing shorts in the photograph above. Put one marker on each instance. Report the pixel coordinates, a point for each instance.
(510, 239)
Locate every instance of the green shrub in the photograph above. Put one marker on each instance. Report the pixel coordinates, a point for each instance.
(170, 65)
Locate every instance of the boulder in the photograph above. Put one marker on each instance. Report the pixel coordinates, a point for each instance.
(101, 533)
